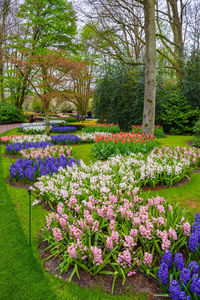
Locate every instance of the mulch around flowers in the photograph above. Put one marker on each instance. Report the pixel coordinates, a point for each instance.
(137, 283)
(18, 184)
(161, 187)
(11, 155)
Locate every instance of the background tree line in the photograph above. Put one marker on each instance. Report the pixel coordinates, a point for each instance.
(143, 54)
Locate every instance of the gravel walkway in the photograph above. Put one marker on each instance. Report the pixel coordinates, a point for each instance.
(5, 127)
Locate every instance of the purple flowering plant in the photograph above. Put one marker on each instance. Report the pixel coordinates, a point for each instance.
(29, 170)
(181, 279)
(17, 147)
(63, 128)
(64, 139)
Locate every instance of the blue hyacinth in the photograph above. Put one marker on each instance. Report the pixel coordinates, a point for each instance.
(66, 139)
(193, 267)
(16, 147)
(179, 261)
(167, 258)
(193, 241)
(195, 285)
(184, 276)
(63, 128)
(29, 170)
(163, 273)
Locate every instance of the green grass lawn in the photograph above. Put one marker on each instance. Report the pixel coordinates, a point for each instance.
(22, 276)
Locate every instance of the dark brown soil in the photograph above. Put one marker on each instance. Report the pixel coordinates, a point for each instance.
(161, 187)
(190, 143)
(137, 283)
(15, 156)
(18, 184)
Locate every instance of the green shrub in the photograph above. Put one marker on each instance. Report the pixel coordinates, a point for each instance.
(10, 114)
(196, 130)
(177, 117)
(119, 96)
(96, 128)
(190, 83)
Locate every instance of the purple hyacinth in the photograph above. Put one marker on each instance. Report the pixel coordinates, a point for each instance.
(193, 267)
(167, 258)
(184, 276)
(174, 290)
(65, 139)
(179, 261)
(193, 242)
(16, 147)
(29, 170)
(195, 285)
(63, 128)
(163, 273)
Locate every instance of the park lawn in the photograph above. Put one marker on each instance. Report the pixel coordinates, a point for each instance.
(21, 271)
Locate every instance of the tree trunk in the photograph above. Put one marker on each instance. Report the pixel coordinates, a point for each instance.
(150, 68)
(46, 113)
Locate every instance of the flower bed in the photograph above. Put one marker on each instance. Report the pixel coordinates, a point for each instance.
(88, 137)
(28, 170)
(33, 129)
(182, 279)
(115, 234)
(63, 128)
(118, 173)
(16, 147)
(31, 138)
(107, 145)
(158, 130)
(63, 139)
(49, 151)
(7, 139)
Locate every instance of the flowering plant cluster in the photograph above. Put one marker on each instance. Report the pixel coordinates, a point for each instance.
(31, 138)
(118, 173)
(49, 151)
(158, 130)
(109, 128)
(17, 147)
(33, 129)
(6, 139)
(137, 231)
(63, 128)
(190, 155)
(63, 139)
(180, 279)
(28, 170)
(107, 145)
(88, 137)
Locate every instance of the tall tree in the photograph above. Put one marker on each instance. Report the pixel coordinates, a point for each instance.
(150, 67)
(49, 24)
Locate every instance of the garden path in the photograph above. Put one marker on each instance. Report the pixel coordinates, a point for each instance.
(5, 127)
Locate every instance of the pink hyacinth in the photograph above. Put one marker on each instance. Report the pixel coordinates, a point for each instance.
(131, 273)
(57, 234)
(60, 208)
(172, 234)
(124, 258)
(112, 225)
(97, 253)
(186, 228)
(170, 208)
(147, 258)
(109, 243)
(72, 251)
(129, 242)
(166, 244)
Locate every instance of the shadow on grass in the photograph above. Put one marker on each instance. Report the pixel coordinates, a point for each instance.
(22, 276)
